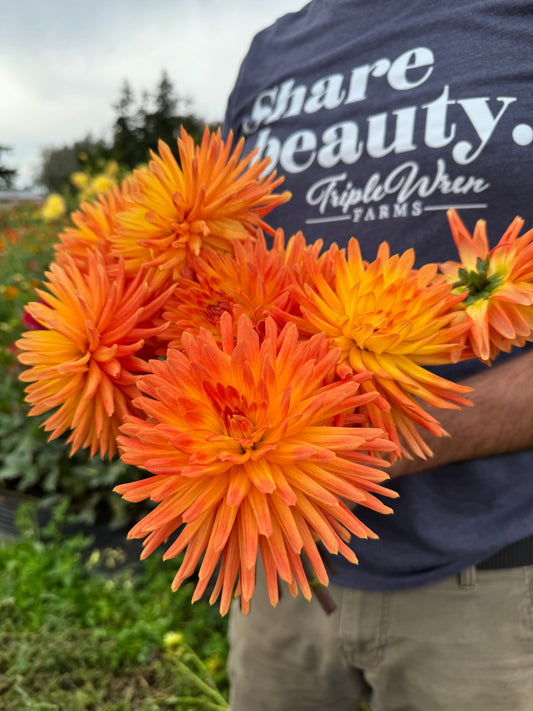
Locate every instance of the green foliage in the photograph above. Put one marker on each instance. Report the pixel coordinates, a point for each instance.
(78, 632)
(34, 466)
(7, 175)
(26, 249)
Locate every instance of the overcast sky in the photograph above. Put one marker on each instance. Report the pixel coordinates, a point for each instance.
(62, 62)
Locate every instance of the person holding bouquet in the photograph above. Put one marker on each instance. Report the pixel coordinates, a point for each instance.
(383, 117)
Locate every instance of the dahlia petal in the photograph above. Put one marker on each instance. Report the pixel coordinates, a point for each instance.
(229, 569)
(248, 536)
(224, 525)
(469, 248)
(238, 487)
(158, 536)
(269, 566)
(276, 543)
(247, 583)
(259, 504)
(499, 319)
(212, 494)
(514, 293)
(284, 516)
(311, 550)
(299, 573)
(193, 553)
(315, 518)
(283, 489)
(480, 329)
(142, 489)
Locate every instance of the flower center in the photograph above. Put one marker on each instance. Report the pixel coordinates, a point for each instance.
(240, 428)
(190, 234)
(214, 311)
(237, 415)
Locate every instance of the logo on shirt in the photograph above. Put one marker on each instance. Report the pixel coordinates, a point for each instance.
(406, 190)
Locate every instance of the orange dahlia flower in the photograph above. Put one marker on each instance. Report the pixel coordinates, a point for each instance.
(390, 320)
(94, 223)
(253, 281)
(497, 286)
(240, 441)
(84, 360)
(212, 199)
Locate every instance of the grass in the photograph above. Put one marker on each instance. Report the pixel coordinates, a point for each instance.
(80, 632)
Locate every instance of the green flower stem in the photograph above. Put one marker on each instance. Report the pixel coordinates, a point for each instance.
(202, 685)
(197, 661)
(320, 591)
(195, 701)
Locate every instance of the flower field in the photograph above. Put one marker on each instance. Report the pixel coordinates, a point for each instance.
(76, 631)
(79, 630)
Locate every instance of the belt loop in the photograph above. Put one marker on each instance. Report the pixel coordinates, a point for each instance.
(467, 578)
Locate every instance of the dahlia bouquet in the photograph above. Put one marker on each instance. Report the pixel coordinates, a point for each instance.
(265, 389)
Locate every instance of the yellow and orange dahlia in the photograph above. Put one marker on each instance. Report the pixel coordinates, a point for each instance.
(390, 320)
(84, 359)
(497, 286)
(212, 198)
(245, 457)
(94, 222)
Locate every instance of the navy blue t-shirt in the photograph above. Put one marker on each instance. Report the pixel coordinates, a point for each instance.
(381, 115)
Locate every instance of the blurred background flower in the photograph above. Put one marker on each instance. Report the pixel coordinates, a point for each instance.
(54, 207)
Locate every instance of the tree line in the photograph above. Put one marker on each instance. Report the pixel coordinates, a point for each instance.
(7, 175)
(139, 123)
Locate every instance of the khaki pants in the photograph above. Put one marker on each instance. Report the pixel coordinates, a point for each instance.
(463, 644)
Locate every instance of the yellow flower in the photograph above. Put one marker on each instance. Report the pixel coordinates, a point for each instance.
(173, 640)
(79, 180)
(101, 183)
(389, 320)
(214, 664)
(112, 169)
(54, 207)
(213, 198)
(245, 455)
(497, 286)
